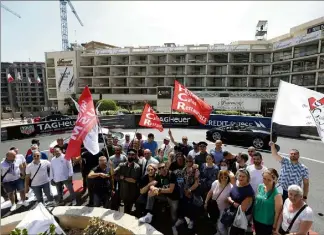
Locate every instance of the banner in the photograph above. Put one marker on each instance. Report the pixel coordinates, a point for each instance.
(65, 79)
(187, 102)
(150, 119)
(86, 128)
(225, 120)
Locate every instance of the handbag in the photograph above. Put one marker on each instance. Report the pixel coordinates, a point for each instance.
(31, 180)
(240, 220)
(212, 207)
(283, 232)
(228, 216)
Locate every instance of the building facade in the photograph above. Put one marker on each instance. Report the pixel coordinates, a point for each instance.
(25, 94)
(219, 73)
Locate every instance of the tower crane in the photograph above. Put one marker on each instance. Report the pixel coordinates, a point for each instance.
(64, 22)
(9, 10)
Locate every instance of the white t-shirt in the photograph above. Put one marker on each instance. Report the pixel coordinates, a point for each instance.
(305, 215)
(21, 157)
(221, 200)
(256, 176)
(166, 149)
(14, 172)
(42, 176)
(193, 154)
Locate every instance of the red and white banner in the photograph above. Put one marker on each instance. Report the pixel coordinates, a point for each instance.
(187, 102)
(150, 119)
(10, 78)
(86, 128)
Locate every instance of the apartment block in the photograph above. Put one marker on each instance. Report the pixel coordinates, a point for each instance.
(243, 69)
(25, 94)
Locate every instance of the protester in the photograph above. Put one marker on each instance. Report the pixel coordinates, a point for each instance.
(148, 159)
(166, 148)
(251, 151)
(230, 160)
(60, 144)
(109, 149)
(276, 176)
(241, 161)
(102, 182)
(219, 192)
(151, 144)
(159, 155)
(37, 177)
(208, 174)
(195, 151)
(267, 200)
(292, 171)
(217, 152)
(179, 163)
(11, 169)
(129, 174)
(33, 141)
(297, 217)
(256, 171)
(241, 195)
(182, 147)
(126, 143)
(224, 167)
(61, 174)
(201, 157)
(35, 148)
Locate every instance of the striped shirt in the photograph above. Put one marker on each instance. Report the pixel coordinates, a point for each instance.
(292, 173)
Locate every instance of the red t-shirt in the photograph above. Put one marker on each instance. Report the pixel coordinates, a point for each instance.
(29, 152)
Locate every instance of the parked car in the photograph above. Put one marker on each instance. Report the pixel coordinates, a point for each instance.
(104, 132)
(257, 137)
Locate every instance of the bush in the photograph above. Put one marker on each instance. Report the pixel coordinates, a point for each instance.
(107, 105)
(51, 231)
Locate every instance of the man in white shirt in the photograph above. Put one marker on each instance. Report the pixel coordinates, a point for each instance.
(11, 169)
(61, 174)
(148, 159)
(256, 171)
(37, 176)
(195, 151)
(166, 147)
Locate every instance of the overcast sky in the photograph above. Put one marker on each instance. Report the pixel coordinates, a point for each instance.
(144, 23)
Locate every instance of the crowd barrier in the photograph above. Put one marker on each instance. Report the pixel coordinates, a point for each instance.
(168, 121)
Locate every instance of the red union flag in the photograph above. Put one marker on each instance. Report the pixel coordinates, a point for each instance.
(150, 119)
(86, 128)
(10, 78)
(187, 102)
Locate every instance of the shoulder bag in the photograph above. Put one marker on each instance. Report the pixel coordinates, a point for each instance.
(2, 177)
(212, 207)
(31, 180)
(283, 232)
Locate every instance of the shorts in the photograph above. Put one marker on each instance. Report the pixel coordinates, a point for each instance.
(12, 186)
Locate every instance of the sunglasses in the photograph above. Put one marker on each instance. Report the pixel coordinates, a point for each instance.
(36, 155)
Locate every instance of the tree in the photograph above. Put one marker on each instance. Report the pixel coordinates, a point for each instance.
(107, 105)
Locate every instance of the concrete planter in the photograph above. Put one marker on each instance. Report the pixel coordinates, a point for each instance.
(79, 216)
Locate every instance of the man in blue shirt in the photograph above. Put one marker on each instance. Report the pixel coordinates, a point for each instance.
(217, 152)
(34, 148)
(151, 144)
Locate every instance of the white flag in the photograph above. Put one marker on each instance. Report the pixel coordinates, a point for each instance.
(19, 76)
(75, 103)
(299, 106)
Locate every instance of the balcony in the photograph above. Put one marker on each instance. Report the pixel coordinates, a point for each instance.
(154, 82)
(104, 62)
(320, 80)
(137, 73)
(216, 82)
(217, 70)
(238, 70)
(118, 71)
(197, 59)
(305, 51)
(195, 82)
(119, 60)
(51, 85)
(259, 82)
(177, 59)
(50, 62)
(302, 65)
(85, 74)
(101, 74)
(281, 68)
(86, 63)
(100, 84)
(303, 80)
(239, 58)
(321, 63)
(237, 82)
(138, 60)
(156, 60)
(218, 58)
(282, 55)
(156, 73)
(118, 82)
(261, 58)
(261, 70)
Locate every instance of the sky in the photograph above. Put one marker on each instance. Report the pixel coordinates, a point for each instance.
(146, 23)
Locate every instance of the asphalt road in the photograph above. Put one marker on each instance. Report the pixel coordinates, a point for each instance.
(311, 152)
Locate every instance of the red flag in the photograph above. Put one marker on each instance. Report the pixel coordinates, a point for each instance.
(150, 119)
(86, 128)
(10, 78)
(187, 102)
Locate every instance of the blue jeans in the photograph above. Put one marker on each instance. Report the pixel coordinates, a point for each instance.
(12, 186)
(59, 188)
(38, 190)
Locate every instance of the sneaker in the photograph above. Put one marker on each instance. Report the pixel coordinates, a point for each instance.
(74, 203)
(13, 207)
(179, 222)
(20, 202)
(25, 203)
(190, 224)
(174, 230)
(146, 219)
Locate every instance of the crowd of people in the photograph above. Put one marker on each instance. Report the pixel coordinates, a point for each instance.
(236, 193)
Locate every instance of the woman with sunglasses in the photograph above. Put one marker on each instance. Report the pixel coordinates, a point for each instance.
(241, 195)
(208, 174)
(267, 199)
(219, 192)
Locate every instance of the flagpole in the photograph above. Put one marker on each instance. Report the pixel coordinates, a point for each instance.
(274, 109)
(170, 116)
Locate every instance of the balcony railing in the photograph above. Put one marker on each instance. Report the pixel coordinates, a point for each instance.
(119, 84)
(177, 62)
(137, 73)
(50, 75)
(280, 71)
(86, 64)
(261, 61)
(217, 73)
(81, 85)
(132, 84)
(194, 84)
(157, 62)
(301, 81)
(139, 62)
(282, 58)
(50, 65)
(86, 74)
(236, 60)
(218, 61)
(156, 84)
(156, 73)
(304, 68)
(50, 96)
(106, 62)
(176, 73)
(118, 74)
(306, 53)
(320, 80)
(261, 73)
(195, 61)
(120, 62)
(196, 73)
(101, 85)
(51, 85)
(238, 73)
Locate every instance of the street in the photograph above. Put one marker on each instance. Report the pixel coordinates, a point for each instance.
(311, 152)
